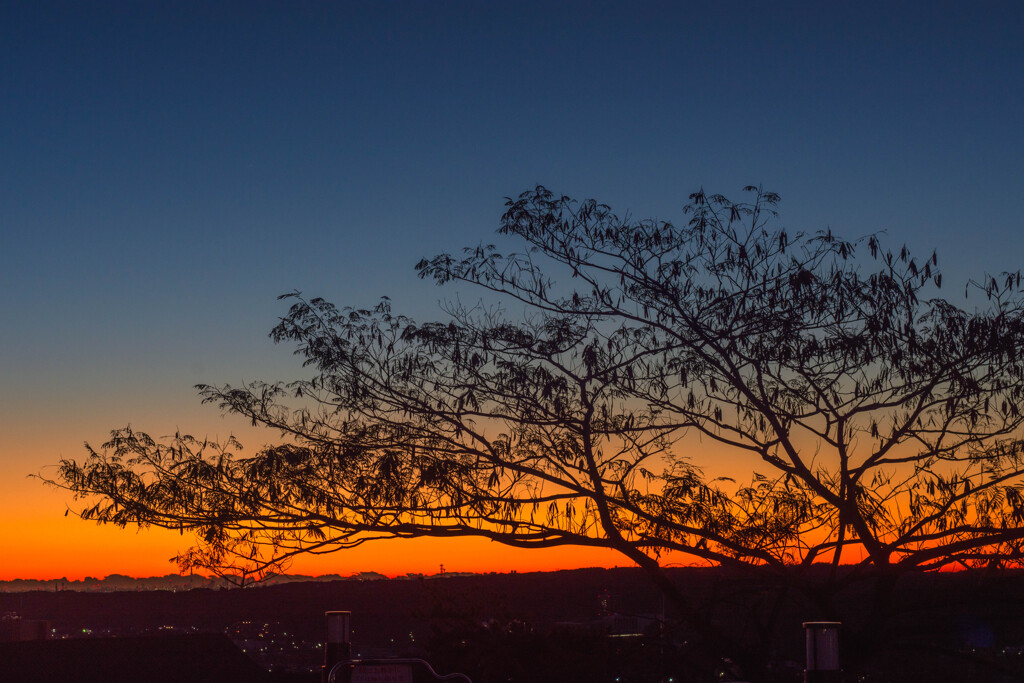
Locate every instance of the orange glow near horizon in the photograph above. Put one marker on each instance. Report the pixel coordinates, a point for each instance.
(85, 550)
(45, 544)
(40, 542)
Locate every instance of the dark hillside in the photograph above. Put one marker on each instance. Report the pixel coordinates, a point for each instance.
(560, 621)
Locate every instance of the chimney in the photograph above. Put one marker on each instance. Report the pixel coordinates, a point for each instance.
(822, 652)
(338, 647)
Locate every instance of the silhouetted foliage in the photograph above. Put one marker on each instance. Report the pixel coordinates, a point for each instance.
(879, 427)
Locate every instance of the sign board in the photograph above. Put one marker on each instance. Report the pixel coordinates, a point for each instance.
(381, 673)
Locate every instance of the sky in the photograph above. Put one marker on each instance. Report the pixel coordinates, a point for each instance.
(169, 168)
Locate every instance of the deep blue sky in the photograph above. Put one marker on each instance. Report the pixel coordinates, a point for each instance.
(169, 168)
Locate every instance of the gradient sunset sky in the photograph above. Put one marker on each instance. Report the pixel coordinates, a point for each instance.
(169, 168)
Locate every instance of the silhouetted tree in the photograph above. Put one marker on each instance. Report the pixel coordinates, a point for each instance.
(879, 428)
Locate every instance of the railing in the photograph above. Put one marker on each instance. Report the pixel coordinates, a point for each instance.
(388, 671)
(339, 667)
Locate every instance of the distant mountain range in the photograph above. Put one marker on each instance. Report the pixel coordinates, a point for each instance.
(176, 582)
